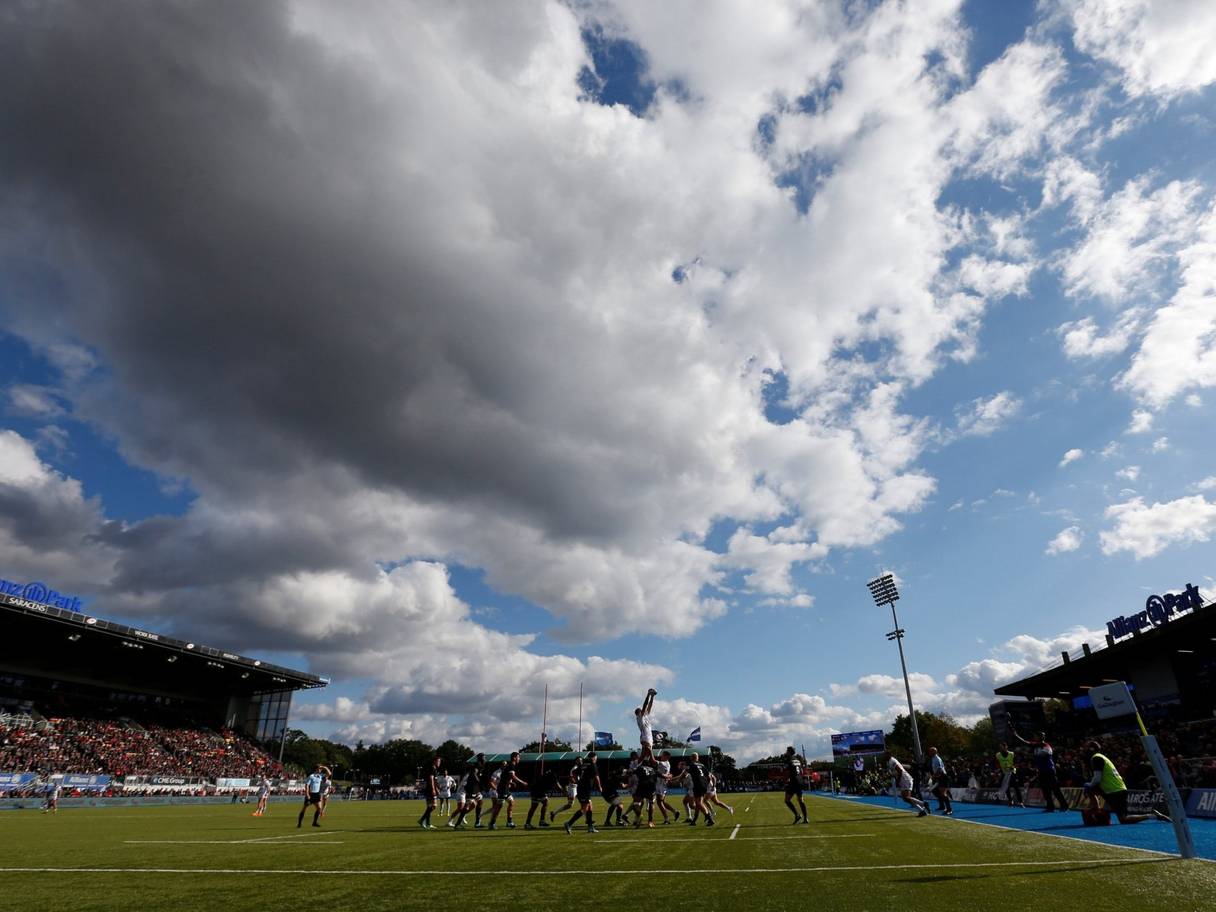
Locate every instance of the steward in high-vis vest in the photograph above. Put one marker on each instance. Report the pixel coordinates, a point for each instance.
(1011, 788)
(1107, 782)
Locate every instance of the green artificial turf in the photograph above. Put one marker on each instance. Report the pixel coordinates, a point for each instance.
(372, 855)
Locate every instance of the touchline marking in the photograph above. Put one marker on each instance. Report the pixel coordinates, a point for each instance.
(735, 831)
(347, 872)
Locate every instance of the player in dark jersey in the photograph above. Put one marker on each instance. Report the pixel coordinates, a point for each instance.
(542, 785)
(474, 781)
(610, 791)
(793, 784)
(430, 791)
(588, 782)
(503, 797)
(1045, 763)
(643, 793)
(699, 779)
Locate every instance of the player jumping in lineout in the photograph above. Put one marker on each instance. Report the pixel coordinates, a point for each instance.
(645, 729)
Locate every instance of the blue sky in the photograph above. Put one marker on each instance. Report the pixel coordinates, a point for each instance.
(615, 345)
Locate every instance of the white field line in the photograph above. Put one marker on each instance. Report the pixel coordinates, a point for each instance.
(1013, 829)
(599, 872)
(289, 836)
(735, 831)
(302, 845)
(833, 836)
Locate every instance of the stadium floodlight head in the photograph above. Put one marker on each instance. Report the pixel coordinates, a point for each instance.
(883, 590)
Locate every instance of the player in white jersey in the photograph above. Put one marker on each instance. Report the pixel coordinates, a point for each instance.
(445, 783)
(571, 784)
(645, 725)
(52, 798)
(711, 796)
(660, 787)
(263, 797)
(901, 780)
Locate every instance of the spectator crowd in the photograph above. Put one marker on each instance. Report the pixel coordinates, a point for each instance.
(121, 747)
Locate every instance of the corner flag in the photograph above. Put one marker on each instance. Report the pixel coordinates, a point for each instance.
(696, 734)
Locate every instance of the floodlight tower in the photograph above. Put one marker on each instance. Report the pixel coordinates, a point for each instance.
(884, 592)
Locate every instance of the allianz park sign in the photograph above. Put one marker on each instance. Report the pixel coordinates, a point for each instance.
(39, 594)
(1157, 610)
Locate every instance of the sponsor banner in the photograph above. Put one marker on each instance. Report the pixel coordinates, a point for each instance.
(867, 742)
(1201, 803)
(80, 780)
(17, 780)
(169, 780)
(232, 783)
(1141, 802)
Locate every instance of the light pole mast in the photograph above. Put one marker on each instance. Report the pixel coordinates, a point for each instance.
(884, 593)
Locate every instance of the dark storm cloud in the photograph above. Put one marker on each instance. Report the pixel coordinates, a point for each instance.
(270, 304)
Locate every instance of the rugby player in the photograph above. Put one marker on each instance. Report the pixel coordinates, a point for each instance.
(643, 793)
(263, 797)
(541, 786)
(430, 791)
(645, 726)
(660, 787)
(940, 777)
(700, 788)
(445, 783)
(901, 780)
(504, 779)
(469, 793)
(711, 795)
(1045, 763)
(793, 784)
(571, 790)
(588, 782)
(313, 786)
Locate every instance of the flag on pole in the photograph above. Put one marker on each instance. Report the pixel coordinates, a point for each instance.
(696, 734)
(603, 739)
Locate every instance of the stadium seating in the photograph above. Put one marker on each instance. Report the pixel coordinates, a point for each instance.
(120, 747)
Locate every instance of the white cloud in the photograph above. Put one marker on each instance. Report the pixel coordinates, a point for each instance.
(1111, 450)
(967, 693)
(1068, 540)
(1160, 47)
(983, 417)
(1130, 473)
(1142, 422)
(1194, 400)
(1207, 484)
(1161, 444)
(1071, 456)
(1128, 239)
(1146, 531)
(1178, 351)
(1083, 340)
